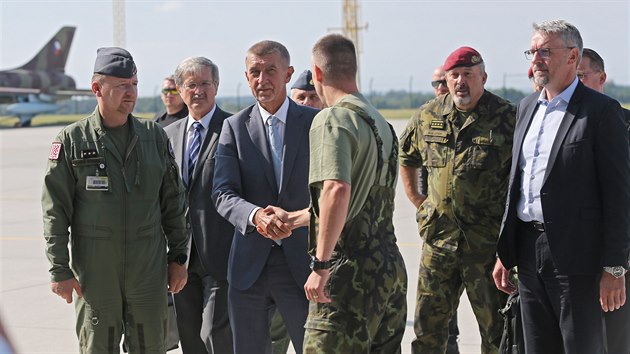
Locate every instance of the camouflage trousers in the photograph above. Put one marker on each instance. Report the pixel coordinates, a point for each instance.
(368, 309)
(442, 278)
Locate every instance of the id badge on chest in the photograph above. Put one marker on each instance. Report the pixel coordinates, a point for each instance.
(97, 183)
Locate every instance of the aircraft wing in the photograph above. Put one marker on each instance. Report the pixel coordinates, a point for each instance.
(20, 91)
(76, 92)
(17, 91)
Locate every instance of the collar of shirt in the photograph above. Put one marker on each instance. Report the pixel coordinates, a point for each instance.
(205, 120)
(562, 100)
(281, 113)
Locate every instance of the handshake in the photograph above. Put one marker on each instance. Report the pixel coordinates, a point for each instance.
(276, 223)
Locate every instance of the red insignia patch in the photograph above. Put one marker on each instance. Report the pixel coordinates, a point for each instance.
(55, 149)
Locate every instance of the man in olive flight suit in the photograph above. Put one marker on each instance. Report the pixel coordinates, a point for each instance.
(464, 140)
(112, 180)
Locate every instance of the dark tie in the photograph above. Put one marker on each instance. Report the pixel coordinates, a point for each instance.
(193, 150)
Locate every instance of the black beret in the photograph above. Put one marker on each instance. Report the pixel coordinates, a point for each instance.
(304, 81)
(114, 61)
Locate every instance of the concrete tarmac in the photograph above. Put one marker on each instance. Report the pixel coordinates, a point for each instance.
(39, 321)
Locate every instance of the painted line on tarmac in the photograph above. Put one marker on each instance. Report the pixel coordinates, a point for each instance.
(20, 238)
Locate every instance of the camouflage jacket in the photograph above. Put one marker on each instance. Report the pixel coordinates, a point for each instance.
(468, 168)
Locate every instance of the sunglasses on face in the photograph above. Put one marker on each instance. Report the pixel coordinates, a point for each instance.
(166, 91)
(437, 83)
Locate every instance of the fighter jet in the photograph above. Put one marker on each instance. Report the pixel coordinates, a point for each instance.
(34, 87)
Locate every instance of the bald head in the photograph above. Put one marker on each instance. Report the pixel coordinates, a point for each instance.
(438, 81)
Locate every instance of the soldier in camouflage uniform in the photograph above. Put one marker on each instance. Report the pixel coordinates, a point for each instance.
(112, 181)
(359, 283)
(464, 139)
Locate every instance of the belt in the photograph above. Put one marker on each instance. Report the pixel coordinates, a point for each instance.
(536, 225)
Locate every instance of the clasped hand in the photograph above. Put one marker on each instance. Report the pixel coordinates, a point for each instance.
(273, 223)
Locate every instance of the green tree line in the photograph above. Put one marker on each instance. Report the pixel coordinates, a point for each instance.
(394, 99)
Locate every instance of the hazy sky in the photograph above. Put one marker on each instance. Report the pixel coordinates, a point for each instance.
(404, 41)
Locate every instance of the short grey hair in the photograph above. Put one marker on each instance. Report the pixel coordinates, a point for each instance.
(569, 33)
(96, 77)
(193, 66)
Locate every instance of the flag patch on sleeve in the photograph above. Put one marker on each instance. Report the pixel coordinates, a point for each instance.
(55, 149)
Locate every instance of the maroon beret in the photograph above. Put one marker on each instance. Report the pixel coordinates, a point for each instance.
(463, 56)
(530, 72)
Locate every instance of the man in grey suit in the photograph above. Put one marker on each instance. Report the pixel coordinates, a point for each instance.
(263, 160)
(202, 313)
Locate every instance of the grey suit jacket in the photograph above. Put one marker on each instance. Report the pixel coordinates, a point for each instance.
(586, 189)
(211, 233)
(244, 179)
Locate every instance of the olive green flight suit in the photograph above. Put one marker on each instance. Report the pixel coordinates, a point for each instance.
(122, 211)
(467, 157)
(368, 279)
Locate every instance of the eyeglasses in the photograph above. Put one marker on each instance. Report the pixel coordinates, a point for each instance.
(437, 83)
(582, 74)
(204, 85)
(542, 52)
(166, 91)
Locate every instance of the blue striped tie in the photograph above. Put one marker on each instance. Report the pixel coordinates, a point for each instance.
(193, 150)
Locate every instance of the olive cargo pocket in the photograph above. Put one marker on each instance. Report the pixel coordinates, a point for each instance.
(437, 149)
(484, 153)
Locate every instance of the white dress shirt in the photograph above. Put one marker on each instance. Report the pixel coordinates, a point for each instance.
(534, 156)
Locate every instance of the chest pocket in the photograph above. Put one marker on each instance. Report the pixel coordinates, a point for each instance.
(87, 160)
(436, 153)
(484, 153)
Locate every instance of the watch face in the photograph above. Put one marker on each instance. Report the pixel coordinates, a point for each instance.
(617, 271)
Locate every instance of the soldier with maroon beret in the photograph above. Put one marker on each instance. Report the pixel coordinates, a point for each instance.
(464, 140)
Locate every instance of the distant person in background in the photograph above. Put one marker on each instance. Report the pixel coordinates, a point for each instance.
(591, 70)
(617, 323)
(438, 81)
(464, 139)
(175, 107)
(303, 91)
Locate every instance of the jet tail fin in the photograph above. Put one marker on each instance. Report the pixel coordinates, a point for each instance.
(54, 54)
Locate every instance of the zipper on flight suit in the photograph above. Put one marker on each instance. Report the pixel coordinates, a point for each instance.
(130, 148)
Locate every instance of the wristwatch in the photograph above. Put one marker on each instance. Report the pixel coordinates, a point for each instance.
(617, 271)
(316, 264)
(180, 259)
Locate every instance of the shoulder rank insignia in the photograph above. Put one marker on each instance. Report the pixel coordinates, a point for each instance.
(55, 149)
(438, 124)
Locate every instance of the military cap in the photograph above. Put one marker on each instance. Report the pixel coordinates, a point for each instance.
(462, 56)
(530, 72)
(114, 61)
(304, 81)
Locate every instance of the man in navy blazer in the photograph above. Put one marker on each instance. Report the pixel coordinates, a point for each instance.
(202, 312)
(252, 173)
(566, 224)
